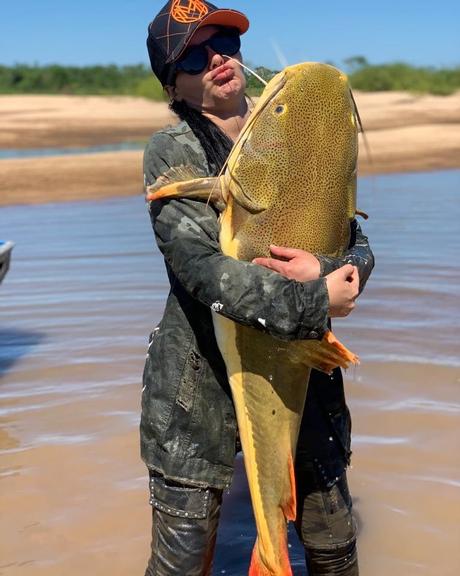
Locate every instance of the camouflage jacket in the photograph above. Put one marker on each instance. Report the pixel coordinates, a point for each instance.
(188, 426)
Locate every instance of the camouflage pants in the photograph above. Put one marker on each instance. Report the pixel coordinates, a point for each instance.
(185, 520)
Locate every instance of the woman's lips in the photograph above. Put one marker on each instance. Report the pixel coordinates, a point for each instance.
(223, 73)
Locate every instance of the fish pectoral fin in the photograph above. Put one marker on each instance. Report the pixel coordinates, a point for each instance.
(174, 174)
(182, 182)
(362, 214)
(323, 355)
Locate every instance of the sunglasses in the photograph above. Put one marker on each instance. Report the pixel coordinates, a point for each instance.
(196, 58)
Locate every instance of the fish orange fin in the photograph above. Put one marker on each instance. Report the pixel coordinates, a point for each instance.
(290, 507)
(256, 567)
(323, 355)
(180, 182)
(333, 341)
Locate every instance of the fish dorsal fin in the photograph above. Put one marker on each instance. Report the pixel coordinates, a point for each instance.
(187, 182)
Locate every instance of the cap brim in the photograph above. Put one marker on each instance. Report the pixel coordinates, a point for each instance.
(224, 17)
(220, 17)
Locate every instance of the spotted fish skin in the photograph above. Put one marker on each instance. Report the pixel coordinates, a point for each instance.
(299, 170)
(290, 180)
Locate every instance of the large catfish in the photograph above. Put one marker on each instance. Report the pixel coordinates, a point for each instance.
(290, 180)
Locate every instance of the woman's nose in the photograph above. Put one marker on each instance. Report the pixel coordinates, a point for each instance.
(215, 59)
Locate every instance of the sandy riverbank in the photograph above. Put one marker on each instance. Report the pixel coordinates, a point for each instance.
(35, 121)
(405, 133)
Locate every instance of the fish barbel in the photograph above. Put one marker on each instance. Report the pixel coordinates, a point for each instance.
(290, 180)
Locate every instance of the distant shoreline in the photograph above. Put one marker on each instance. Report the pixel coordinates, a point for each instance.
(405, 133)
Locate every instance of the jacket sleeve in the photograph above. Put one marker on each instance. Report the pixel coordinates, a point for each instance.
(359, 254)
(187, 234)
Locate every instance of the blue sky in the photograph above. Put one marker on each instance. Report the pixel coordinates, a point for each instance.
(423, 32)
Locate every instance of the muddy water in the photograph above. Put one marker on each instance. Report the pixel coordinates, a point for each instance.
(85, 287)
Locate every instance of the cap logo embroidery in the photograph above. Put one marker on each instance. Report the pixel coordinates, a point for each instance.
(188, 12)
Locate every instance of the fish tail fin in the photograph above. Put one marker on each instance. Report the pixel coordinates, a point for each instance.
(279, 564)
(258, 568)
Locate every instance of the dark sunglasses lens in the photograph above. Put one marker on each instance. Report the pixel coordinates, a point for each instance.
(194, 60)
(228, 44)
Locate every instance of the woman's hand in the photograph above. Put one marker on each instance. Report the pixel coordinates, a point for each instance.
(292, 263)
(343, 288)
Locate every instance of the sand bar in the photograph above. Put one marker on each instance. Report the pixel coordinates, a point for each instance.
(405, 133)
(33, 121)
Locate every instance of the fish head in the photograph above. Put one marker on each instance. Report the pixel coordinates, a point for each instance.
(301, 135)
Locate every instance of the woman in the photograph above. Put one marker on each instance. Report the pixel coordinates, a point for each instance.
(188, 426)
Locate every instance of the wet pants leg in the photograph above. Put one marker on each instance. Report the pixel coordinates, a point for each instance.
(325, 525)
(184, 528)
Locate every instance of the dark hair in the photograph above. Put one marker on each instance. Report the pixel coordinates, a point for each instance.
(216, 144)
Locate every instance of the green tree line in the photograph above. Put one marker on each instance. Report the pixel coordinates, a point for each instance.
(138, 80)
(401, 76)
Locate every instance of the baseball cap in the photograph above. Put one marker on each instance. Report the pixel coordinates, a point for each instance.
(173, 27)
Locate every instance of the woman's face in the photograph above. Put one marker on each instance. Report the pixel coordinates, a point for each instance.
(222, 81)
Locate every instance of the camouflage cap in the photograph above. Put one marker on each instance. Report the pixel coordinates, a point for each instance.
(173, 27)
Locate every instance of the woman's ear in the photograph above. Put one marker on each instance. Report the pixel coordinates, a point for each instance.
(172, 92)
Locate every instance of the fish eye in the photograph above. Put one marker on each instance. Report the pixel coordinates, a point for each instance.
(279, 109)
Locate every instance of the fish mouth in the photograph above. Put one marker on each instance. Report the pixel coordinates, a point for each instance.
(245, 133)
(260, 107)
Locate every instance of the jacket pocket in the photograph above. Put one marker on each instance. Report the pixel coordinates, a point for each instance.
(178, 499)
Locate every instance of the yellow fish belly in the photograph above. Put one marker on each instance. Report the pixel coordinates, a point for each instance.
(269, 393)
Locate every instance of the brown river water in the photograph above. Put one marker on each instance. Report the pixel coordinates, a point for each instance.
(85, 287)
